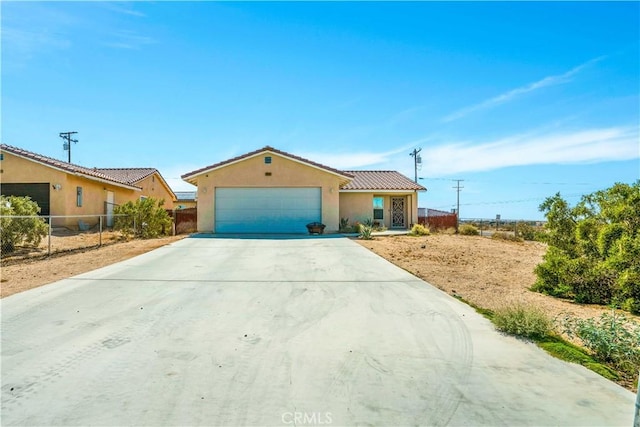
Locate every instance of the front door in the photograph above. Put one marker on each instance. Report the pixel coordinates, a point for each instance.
(398, 217)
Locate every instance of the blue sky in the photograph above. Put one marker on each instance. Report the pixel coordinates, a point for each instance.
(520, 100)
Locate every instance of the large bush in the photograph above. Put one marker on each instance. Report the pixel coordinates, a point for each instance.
(594, 248)
(20, 231)
(144, 218)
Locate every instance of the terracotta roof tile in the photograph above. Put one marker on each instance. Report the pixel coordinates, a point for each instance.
(128, 175)
(381, 180)
(261, 150)
(65, 166)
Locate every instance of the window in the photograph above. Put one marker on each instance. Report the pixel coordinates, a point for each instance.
(267, 160)
(378, 208)
(79, 197)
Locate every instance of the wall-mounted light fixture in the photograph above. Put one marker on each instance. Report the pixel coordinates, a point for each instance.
(56, 187)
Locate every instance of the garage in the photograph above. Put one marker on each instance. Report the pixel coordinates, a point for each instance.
(38, 192)
(266, 209)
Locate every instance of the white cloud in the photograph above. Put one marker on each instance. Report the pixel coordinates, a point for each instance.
(586, 146)
(514, 93)
(355, 160)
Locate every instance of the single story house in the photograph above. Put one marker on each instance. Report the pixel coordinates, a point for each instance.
(65, 189)
(271, 191)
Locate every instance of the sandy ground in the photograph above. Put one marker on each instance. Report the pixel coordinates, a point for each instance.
(488, 273)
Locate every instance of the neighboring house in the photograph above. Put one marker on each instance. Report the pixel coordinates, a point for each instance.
(185, 199)
(271, 191)
(66, 189)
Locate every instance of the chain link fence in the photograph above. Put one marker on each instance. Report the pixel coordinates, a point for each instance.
(515, 227)
(23, 237)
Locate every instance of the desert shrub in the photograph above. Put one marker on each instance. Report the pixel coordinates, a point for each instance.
(594, 248)
(344, 224)
(469, 230)
(526, 231)
(613, 338)
(366, 232)
(419, 230)
(523, 321)
(500, 235)
(143, 218)
(20, 231)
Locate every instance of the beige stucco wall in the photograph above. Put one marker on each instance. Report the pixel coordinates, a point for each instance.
(181, 204)
(284, 173)
(63, 200)
(152, 186)
(358, 206)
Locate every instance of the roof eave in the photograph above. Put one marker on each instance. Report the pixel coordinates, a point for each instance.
(191, 177)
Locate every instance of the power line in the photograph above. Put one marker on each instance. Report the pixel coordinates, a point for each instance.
(505, 202)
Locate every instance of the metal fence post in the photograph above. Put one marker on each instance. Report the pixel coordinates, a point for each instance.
(636, 417)
(481, 227)
(49, 242)
(100, 244)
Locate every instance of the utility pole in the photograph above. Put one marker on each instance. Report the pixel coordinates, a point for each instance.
(458, 188)
(67, 145)
(417, 160)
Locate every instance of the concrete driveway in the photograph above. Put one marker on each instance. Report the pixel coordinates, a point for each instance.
(276, 332)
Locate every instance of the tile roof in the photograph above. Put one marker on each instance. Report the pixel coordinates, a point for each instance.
(65, 166)
(192, 174)
(128, 175)
(381, 180)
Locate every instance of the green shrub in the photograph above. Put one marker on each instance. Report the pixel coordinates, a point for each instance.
(594, 248)
(469, 230)
(344, 224)
(20, 231)
(613, 339)
(499, 235)
(419, 230)
(366, 232)
(143, 218)
(523, 321)
(526, 231)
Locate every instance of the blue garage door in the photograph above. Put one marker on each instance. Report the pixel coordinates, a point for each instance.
(266, 210)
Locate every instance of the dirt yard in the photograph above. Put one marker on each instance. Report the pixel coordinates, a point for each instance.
(488, 273)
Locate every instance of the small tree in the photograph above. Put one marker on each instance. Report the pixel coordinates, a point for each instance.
(594, 248)
(143, 218)
(20, 231)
